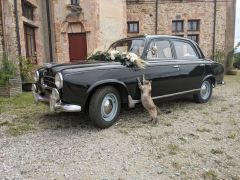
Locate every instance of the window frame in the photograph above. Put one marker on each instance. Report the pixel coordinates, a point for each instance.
(199, 56)
(197, 35)
(75, 2)
(160, 59)
(198, 24)
(132, 22)
(26, 9)
(33, 36)
(177, 21)
(132, 1)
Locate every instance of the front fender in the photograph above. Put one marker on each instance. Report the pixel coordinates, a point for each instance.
(119, 85)
(106, 81)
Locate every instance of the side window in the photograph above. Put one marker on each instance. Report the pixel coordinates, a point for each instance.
(184, 50)
(159, 49)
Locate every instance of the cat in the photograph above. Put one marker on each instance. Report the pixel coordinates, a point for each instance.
(147, 102)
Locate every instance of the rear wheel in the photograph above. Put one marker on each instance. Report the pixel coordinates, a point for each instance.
(205, 92)
(104, 106)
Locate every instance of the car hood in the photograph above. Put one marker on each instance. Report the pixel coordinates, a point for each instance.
(81, 66)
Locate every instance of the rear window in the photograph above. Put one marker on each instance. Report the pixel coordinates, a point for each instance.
(184, 50)
(159, 49)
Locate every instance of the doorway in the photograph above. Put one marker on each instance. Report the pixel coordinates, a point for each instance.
(77, 46)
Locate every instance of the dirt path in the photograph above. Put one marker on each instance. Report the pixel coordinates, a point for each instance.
(194, 141)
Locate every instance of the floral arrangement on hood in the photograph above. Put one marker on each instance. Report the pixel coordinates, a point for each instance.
(128, 59)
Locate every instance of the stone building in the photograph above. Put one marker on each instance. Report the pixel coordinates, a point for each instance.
(210, 23)
(8, 35)
(69, 30)
(60, 30)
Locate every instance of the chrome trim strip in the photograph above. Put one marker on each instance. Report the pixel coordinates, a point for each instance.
(132, 102)
(175, 94)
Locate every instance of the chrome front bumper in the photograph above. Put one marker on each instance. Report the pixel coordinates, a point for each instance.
(54, 101)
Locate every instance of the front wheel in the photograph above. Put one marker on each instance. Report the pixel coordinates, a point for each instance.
(104, 106)
(205, 92)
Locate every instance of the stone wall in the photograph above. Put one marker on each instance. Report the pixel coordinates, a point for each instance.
(1, 30)
(103, 23)
(167, 12)
(9, 45)
(12, 89)
(39, 22)
(10, 36)
(112, 22)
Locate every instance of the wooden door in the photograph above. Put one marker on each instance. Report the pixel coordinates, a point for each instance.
(77, 46)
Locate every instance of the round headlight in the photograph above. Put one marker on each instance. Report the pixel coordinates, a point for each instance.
(59, 80)
(36, 76)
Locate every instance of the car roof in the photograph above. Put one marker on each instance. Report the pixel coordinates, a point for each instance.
(146, 36)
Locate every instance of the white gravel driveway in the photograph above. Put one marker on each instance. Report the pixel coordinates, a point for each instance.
(191, 141)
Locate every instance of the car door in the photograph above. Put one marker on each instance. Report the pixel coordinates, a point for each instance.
(191, 65)
(162, 68)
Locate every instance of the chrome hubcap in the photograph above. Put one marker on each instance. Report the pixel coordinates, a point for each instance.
(109, 107)
(205, 90)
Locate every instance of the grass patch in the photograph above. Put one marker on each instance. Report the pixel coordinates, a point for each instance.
(183, 139)
(223, 109)
(20, 129)
(210, 175)
(204, 130)
(217, 151)
(168, 124)
(232, 136)
(173, 149)
(216, 138)
(217, 123)
(22, 114)
(5, 123)
(176, 165)
(206, 113)
(124, 131)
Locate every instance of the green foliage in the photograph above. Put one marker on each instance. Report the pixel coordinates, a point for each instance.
(26, 69)
(7, 69)
(236, 62)
(219, 56)
(99, 56)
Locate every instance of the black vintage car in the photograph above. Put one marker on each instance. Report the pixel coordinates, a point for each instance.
(175, 65)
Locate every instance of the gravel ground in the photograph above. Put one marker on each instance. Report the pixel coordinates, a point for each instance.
(191, 141)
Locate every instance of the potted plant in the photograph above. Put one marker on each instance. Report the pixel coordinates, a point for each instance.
(26, 70)
(9, 84)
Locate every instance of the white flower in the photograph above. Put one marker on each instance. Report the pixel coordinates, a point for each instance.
(113, 53)
(132, 57)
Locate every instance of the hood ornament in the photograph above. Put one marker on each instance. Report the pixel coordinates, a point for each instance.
(47, 65)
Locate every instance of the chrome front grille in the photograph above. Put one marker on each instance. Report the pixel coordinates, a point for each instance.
(49, 78)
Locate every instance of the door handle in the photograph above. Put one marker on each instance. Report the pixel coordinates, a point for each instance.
(176, 66)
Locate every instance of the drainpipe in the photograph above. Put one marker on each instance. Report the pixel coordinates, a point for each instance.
(156, 19)
(49, 30)
(17, 27)
(3, 25)
(214, 26)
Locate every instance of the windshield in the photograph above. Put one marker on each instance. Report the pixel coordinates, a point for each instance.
(132, 45)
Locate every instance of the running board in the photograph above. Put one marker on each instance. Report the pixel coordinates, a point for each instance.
(132, 102)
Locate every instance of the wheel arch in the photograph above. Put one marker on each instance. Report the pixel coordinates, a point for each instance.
(120, 87)
(212, 78)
